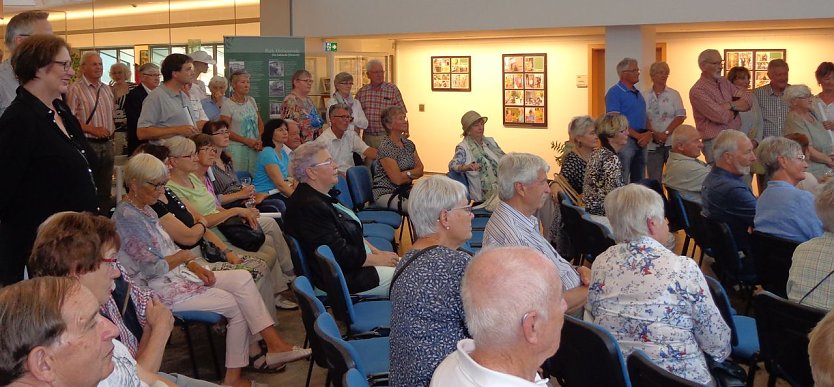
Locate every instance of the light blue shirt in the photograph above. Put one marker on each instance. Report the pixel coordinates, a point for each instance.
(267, 156)
(787, 212)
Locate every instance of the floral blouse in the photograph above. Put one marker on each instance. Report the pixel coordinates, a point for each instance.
(651, 299)
(304, 112)
(603, 175)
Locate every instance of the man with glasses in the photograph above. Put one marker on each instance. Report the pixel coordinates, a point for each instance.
(341, 142)
(149, 80)
(715, 101)
(375, 97)
(623, 98)
(20, 27)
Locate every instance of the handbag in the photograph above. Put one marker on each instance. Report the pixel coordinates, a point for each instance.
(211, 252)
(401, 192)
(240, 234)
(726, 373)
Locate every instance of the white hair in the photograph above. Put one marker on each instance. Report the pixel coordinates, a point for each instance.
(302, 158)
(87, 55)
(624, 63)
(179, 146)
(145, 167)
(429, 197)
(794, 92)
(703, 56)
(521, 168)
(726, 141)
(629, 207)
(373, 62)
(683, 134)
(772, 147)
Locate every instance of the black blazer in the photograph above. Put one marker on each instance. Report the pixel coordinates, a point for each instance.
(133, 107)
(312, 219)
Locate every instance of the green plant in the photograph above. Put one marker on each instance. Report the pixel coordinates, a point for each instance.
(559, 148)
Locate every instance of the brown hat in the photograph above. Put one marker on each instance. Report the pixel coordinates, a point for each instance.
(469, 118)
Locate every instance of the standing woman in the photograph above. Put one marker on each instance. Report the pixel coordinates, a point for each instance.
(399, 163)
(344, 82)
(664, 113)
(478, 157)
(214, 102)
(240, 112)
(49, 160)
(298, 106)
(801, 119)
(121, 85)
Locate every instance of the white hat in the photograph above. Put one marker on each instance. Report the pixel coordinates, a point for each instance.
(201, 56)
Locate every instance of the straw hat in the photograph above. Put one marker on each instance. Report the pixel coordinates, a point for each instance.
(470, 118)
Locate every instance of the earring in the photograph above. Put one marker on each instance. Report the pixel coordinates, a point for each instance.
(448, 228)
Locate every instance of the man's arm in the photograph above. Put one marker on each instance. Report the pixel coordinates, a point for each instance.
(398, 99)
(715, 111)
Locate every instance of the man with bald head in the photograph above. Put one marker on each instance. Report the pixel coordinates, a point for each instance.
(502, 287)
(685, 173)
(20, 27)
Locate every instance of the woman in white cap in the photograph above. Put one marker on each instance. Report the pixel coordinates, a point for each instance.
(477, 156)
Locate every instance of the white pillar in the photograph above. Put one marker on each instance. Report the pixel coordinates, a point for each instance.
(636, 42)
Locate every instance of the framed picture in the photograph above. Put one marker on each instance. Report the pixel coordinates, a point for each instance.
(451, 73)
(525, 89)
(143, 57)
(754, 60)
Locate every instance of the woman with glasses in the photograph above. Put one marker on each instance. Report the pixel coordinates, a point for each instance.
(344, 83)
(399, 164)
(315, 218)
(48, 156)
(240, 112)
(298, 106)
(477, 156)
(213, 103)
(802, 118)
(602, 175)
(272, 171)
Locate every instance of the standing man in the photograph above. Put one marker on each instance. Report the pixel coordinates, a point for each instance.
(375, 97)
(774, 108)
(20, 27)
(715, 101)
(341, 142)
(625, 99)
(167, 110)
(91, 101)
(149, 80)
(202, 60)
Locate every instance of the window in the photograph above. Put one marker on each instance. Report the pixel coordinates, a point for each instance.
(111, 56)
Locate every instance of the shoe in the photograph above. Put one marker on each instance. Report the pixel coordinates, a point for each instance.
(275, 359)
(260, 363)
(283, 303)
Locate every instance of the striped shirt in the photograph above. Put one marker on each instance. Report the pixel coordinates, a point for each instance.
(374, 100)
(774, 110)
(81, 98)
(706, 96)
(508, 227)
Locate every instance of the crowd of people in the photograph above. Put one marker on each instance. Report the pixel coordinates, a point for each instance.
(192, 234)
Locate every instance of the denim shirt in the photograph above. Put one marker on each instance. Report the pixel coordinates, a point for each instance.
(726, 198)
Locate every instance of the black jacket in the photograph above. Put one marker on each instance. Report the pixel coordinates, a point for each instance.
(133, 107)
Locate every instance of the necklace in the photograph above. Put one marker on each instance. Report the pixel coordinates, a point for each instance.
(235, 98)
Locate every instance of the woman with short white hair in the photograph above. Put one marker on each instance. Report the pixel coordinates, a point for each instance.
(650, 298)
(803, 119)
(213, 103)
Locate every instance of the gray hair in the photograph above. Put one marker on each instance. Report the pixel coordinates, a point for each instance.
(771, 148)
(794, 92)
(179, 146)
(429, 197)
(147, 66)
(342, 77)
(624, 63)
(21, 24)
(500, 286)
(302, 158)
(702, 57)
(119, 66)
(629, 207)
(657, 67)
(87, 55)
(726, 141)
(238, 73)
(825, 206)
(373, 62)
(387, 116)
(579, 126)
(333, 108)
(145, 167)
(217, 81)
(683, 134)
(518, 168)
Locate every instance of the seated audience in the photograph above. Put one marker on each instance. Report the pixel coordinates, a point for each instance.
(782, 209)
(272, 169)
(604, 171)
(685, 172)
(502, 287)
(725, 196)
(399, 163)
(810, 280)
(153, 260)
(53, 335)
(316, 218)
(583, 140)
(477, 157)
(810, 182)
(523, 188)
(802, 118)
(820, 352)
(427, 313)
(341, 141)
(650, 298)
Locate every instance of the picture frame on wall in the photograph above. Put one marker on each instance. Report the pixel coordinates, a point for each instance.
(524, 98)
(754, 60)
(451, 73)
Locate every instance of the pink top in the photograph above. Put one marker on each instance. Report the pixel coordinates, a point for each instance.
(706, 97)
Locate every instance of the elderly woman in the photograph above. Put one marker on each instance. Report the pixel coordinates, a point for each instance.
(121, 85)
(240, 112)
(603, 173)
(824, 103)
(813, 261)
(427, 313)
(317, 219)
(751, 120)
(478, 157)
(298, 106)
(399, 163)
(344, 83)
(153, 260)
(664, 113)
(213, 103)
(650, 298)
(801, 119)
(582, 131)
(272, 172)
(810, 182)
(44, 147)
(782, 209)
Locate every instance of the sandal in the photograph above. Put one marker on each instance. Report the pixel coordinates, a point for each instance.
(258, 363)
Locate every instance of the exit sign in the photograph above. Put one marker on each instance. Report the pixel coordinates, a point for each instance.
(330, 46)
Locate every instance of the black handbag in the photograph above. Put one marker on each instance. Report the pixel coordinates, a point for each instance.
(726, 373)
(240, 234)
(211, 252)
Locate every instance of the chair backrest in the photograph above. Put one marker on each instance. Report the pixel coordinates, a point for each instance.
(460, 177)
(643, 372)
(572, 219)
(360, 183)
(301, 266)
(588, 356)
(597, 237)
(344, 193)
(655, 186)
(338, 295)
(773, 257)
(565, 197)
(698, 228)
(340, 355)
(725, 251)
(676, 208)
(783, 328)
(311, 309)
(354, 378)
(722, 301)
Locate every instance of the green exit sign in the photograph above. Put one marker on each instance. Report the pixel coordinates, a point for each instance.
(330, 46)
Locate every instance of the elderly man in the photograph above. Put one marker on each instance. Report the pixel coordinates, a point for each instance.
(813, 261)
(685, 173)
(625, 99)
(715, 101)
(523, 189)
(54, 335)
(725, 196)
(375, 97)
(91, 101)
(149, 75)
(167, 111)
(342, 142)
(20, 27)
(773, 106)
(502, 287)
(293, 136)
(202, 60)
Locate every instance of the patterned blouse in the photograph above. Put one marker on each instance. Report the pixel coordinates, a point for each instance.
(573, 170)
(403, 156)
(304, 112)
(225, 179)
(651, 299)
(602, 176)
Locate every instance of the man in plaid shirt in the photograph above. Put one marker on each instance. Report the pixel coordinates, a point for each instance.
(375, 97)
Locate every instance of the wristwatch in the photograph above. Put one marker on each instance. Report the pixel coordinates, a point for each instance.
(408, 173)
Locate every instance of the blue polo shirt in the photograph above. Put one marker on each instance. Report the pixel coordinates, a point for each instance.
(628, 103)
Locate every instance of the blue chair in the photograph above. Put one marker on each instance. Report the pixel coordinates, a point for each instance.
(380, 243)
(588, 356)
(389, 218)
(596, 238)
(460, 177)
(184, 320)
(479, 223)
(371, 227)
(730, 267)
(359, 183)
(369, 356)
(311, 308)
(643, 372)
(367, 318)
(477, 239)
(302, 267)
(676, 207)
(744, 334)
(354, 378)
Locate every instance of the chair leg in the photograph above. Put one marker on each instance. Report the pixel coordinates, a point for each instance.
(751, 371)
(309, 372)
(214, 360)
(191, 351)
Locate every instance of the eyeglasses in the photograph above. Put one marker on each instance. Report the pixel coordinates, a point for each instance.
(632, 71)
(325, 162)
(156, 186)
(152, 75)
(305, 80)
(67, 64)
(715, 63)
(345, 83)
(347, 117)
(467, 208)
(188, 156)
(221, 131)
(210, 149)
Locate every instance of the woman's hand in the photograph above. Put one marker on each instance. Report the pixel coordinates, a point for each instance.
(259, 197)
(206, 275)
(470, 167)
(232, 257)
(250, 215)
(828, 125)
(382, 258)
(159, 317)
(584, 275)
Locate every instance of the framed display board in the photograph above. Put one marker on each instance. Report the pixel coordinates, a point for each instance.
(524, 96)
(451, 73)
(755, 60)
